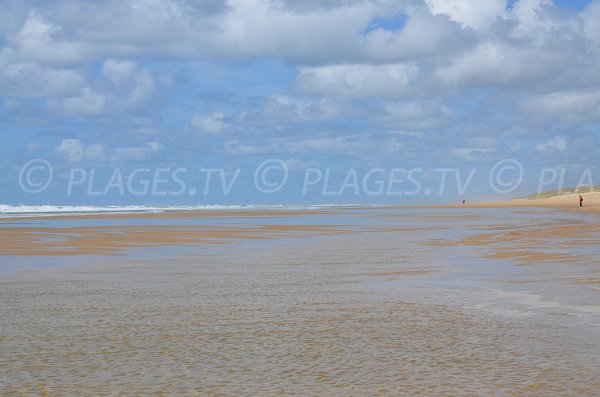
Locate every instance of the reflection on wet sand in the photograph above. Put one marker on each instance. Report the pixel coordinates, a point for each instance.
(349, 314)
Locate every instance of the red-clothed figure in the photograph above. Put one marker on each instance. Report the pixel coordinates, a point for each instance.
(580, 201)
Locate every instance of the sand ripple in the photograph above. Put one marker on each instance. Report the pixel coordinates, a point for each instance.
(283, 321)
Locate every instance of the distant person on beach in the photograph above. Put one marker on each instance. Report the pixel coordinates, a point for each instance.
(580, 201)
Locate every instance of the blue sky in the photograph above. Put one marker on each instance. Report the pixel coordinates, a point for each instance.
(342, 87)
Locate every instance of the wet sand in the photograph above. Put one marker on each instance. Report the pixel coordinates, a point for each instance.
(110, 234)
(385, 302)
(28, 238)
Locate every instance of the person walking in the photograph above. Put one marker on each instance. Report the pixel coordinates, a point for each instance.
(580, 201)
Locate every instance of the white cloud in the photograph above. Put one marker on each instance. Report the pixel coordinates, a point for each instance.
(351, 144)
(294, 164)
(263, 27)
(418, 115)
(35, 41)
(118, 72)
(29, 79)
(556, 144)
(414, 134)
(496, 63)
(471, 153)
(476, 14)
(570, 106)
(65, 31)
(75, 151)
(531, 14)
(130, 88)
(476, 148)
(72, 149)
(143, 90)
(233, 147)
(423, 37)
(210, 124)
(358, 80)
(87, 103)
(416, 77)
(96, 152)
(591, 22)
(287, 108)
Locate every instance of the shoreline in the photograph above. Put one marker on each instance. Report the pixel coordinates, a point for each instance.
(566, 201)
(111, 234)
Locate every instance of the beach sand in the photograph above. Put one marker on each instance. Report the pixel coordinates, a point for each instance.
(26, 240)
(591, 203)
(466, 301)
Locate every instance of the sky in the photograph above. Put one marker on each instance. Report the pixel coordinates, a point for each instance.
(181, 102)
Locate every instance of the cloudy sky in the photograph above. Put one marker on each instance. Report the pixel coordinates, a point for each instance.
(332, 85)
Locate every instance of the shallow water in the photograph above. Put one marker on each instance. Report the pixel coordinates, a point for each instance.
(362, 314)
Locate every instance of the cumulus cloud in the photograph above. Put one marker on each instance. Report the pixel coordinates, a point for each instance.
(343, 144)
(476, 148)
(437, 36)
(288, 108)
(87, 103)
(307, 33)
(336, 144)
(37, 41)
(96, 152)
(29, 79)
(132, 85)
(414, 134)
(130, 88)
(556, 144)
(72, 149)
(342, 82)
(118, 72)
(472, 13)
(143, 89)
(591, 22)
(416, 115)
(531, 14)
(233, 147)
(358, 80)
(260, 27)
(471, 153)
(495, 63)
(75, 151)
(424, 37)
(65, 31)
(570, 106)
(210, 124)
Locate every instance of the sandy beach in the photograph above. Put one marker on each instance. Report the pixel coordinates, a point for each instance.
(233, 198)
(77, 239)
(469, 300)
